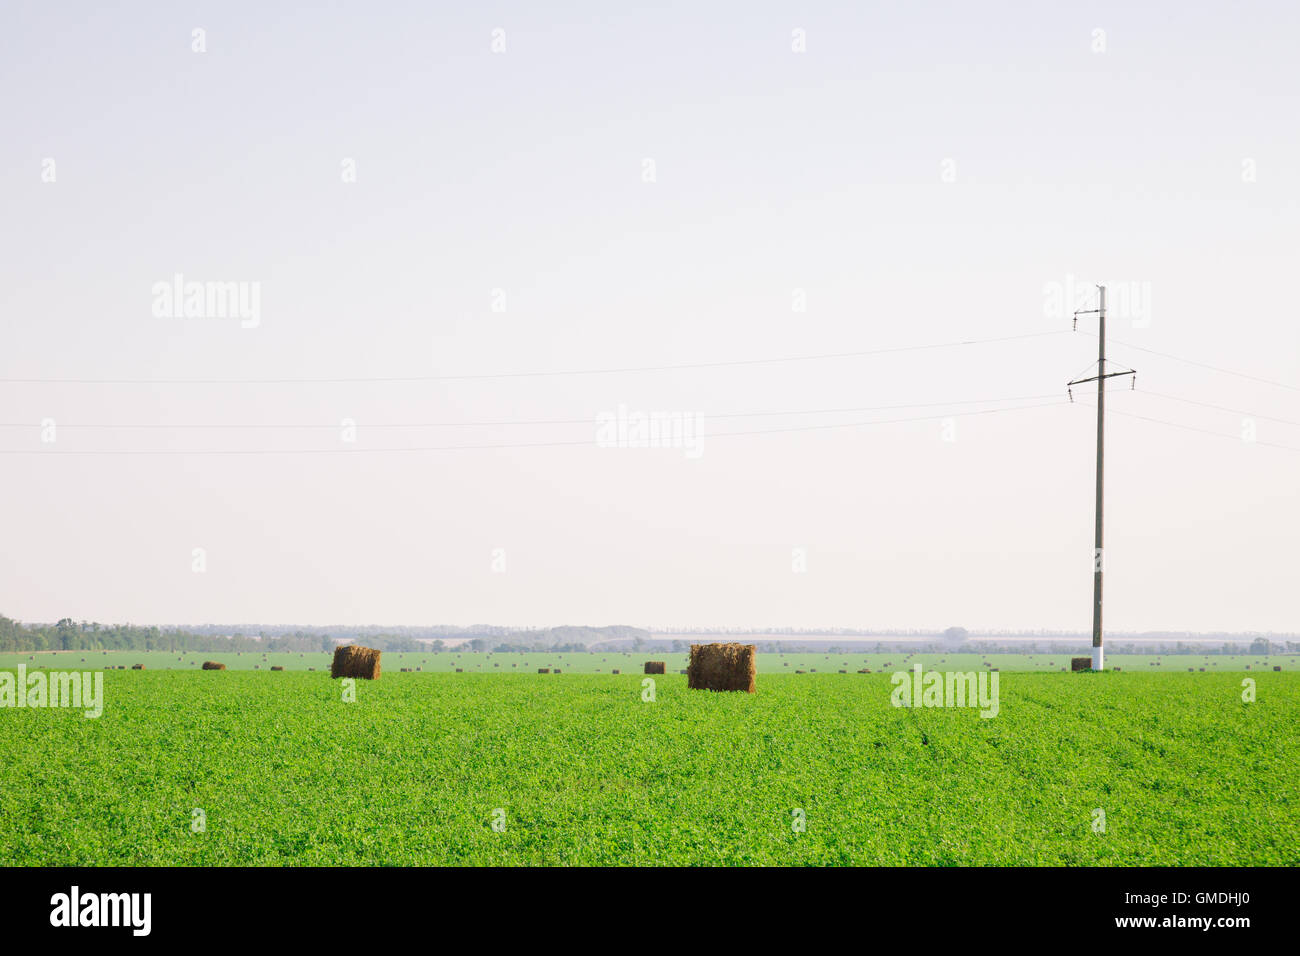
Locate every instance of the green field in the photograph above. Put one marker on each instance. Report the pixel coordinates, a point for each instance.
(586, 772)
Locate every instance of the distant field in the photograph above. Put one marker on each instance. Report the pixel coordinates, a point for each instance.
(605, 663)
(580, 769)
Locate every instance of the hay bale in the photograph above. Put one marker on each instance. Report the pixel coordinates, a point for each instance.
(556, 671)
(137, 667)
(1277, 667)
(801, 672)
(543, 670)
(277, 667)
(353, 661)
(213, 666)
(614, 671)
(460, 670)
(1080, 663)
(722, 667)
(655, 667)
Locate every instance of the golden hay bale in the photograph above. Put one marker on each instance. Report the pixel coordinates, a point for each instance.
(655, 667)
(277, 667)
(351, 660)
(213, 666)
(722, 667)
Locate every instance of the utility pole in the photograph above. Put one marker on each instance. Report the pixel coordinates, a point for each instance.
(1098, 658)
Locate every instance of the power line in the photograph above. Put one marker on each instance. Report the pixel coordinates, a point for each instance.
(1222, 408)
(163, 426)
(533, 374)
(1213, 368)
(1203, 431)
(552, 444)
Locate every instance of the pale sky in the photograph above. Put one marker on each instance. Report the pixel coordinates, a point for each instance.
(908, 174)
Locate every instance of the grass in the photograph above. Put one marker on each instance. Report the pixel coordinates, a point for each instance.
(587, 773)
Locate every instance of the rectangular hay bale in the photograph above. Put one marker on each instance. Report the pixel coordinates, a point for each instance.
(1080, 663)
(351, 660)
(213, 666)
(655, 667)
(722, 667)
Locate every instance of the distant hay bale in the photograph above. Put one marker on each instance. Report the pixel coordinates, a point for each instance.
(213, 666)
(353, 661)
(277, 667)
(543, 670)
(655, 667)
(556, 671)
(614, 671)
(1277, 667)
(121, 667)
(722, 667)
(1080, 663)
(137, 667)
(460, 670)
(801, 672)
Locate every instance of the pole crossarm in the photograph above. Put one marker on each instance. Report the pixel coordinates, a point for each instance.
(1080, 381)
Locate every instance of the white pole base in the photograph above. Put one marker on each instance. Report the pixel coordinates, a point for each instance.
(1098, 660)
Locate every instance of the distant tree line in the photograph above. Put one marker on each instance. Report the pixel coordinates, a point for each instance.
(70, 635)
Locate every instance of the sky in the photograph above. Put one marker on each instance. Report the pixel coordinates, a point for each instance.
(470, 240)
